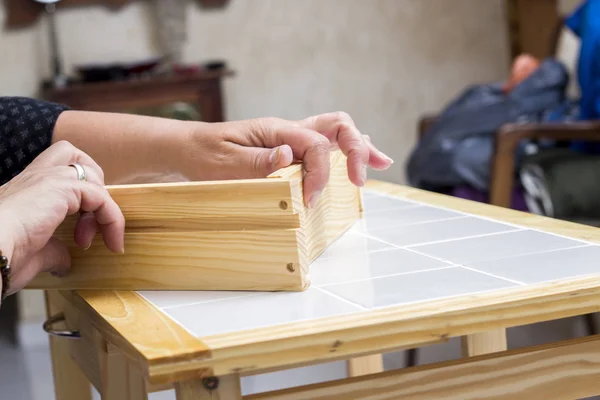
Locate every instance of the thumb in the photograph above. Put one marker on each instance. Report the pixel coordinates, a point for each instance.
(266, 161)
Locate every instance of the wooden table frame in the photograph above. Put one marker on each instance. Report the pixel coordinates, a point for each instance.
(121, 359)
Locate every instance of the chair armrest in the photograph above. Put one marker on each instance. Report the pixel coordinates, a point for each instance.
(507, 140)
(424, 123)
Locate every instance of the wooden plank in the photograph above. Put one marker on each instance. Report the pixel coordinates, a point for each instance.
(337, 210)
(138, 389)
(228, 260)
(565, 370)
(477, 344)
(70, 383)
(365, 365)
(222, 235)
(228, 389)
(201, 206)
(120, 381)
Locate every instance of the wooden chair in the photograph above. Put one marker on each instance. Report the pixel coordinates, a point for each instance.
(506, 141)
(509, 136)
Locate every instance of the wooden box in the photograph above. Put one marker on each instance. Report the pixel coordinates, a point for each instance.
(220, 235)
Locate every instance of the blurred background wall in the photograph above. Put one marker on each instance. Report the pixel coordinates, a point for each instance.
(383, 61)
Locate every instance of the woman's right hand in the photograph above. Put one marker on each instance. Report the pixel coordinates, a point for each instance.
(35, 202)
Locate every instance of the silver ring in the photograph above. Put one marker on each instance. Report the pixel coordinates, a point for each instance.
(80, 171)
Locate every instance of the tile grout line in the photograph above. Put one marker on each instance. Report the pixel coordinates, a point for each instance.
(501, 258)
(340, 298)
(398, 208)
(209, 301)
(494, 276)
(398, 197)
(325, 258)
(417, 223)
(326, 285)
(463, 238)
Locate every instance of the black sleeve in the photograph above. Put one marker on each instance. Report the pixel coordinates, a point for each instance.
(26, 128)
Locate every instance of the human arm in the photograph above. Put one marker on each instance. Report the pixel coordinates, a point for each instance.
(35, 202)
(133, 148)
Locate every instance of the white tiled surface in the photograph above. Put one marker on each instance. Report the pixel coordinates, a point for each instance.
(401, 252)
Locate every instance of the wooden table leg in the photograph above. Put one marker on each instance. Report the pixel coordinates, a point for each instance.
(365, 365)
(228, 388)
(70, 383)
(120, 380)
(484, 343)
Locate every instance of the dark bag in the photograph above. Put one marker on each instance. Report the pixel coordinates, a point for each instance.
(457, 148)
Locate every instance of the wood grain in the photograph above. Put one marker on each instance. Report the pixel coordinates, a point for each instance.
(217, 260)
(566, 370)
(477, 344)
(120, 380)
(337, 210)
(365, 365)
(201, 206)
(228, 389)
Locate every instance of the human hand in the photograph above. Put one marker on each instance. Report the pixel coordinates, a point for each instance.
(36, 202)
(258, 147)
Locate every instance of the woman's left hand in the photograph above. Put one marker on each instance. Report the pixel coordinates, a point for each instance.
(255, 148)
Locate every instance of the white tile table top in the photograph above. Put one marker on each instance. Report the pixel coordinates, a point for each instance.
(401, 252)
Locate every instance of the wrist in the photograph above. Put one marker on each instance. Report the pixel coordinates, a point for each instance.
(195, 150)
(6, 255)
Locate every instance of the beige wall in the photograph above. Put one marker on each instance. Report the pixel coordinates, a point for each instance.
(384, 61)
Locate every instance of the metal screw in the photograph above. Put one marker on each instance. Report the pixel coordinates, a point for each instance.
(290, 267)
(210, 383)
(283, 205)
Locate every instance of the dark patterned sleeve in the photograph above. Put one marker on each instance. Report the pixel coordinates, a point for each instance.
(26, 128)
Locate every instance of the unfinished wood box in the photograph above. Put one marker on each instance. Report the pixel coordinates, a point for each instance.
(220, 235)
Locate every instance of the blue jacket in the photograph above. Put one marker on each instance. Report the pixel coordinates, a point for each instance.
(585, 23)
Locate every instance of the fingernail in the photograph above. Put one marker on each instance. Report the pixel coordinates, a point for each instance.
(314, 199)
(363, 175)
(274, 157)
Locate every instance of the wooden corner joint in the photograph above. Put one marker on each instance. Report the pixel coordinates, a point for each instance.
(250, 234)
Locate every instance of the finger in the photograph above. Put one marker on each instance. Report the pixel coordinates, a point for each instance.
(260, 162)
(312, 149)
(64, 153)
(377, 160)
(339, 128)
(54, 257)
(95, 199)
(85, 230)
(92, 175)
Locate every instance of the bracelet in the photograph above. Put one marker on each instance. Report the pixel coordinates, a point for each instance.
(5, 273)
